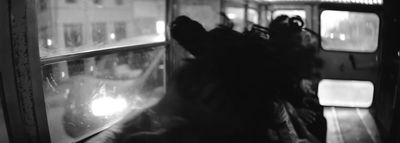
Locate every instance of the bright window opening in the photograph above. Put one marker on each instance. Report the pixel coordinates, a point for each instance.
(346, 93)
(237, 17)
(252, 15)
(349, 31)
(97, 25)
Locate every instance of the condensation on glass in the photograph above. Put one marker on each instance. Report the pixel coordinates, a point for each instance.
(349, 31)
(236, 14)
(87, 95)
(346, 93)
(73, 26)
(290, 13)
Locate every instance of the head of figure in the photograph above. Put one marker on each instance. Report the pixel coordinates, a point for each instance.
(190, 34)
(297, 45)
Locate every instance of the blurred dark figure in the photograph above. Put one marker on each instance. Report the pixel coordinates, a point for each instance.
(226, 22)
(298, 43)
(229, 92)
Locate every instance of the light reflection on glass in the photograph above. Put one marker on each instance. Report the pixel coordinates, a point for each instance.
(84, 96)
(347, 93)
(79, 26)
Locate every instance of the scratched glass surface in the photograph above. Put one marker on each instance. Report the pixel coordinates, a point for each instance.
(349, 31)
(87, 95)
(74, 26)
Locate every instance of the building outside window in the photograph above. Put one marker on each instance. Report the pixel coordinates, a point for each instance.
(87, 85)
(70, 1)
(120, 31)
(73, 35)
(99, 33)
(119, 2)
(98, 1)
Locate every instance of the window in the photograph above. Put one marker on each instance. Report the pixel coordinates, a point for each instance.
(205, 11)
(43, 5)
(73, 35)
(86, 95)
(289, 13)
(347, 93)
(252, 15)
(237, 17)
(120, 31)
(72, 26)
(119, 2)
(70, 1)
(3, 127)
(349, 31)
(98, 1)
(95, 57)
(99, 33)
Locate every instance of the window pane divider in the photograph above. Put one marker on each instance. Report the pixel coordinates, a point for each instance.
(46, 61)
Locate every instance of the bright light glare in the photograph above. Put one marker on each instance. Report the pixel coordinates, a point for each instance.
(112, 36)
(49, 42)
(231, 15)
(105, 106)
(348, 93)
(342, 37)
(160, 27)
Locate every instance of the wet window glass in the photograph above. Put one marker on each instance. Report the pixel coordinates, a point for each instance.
(236, 14)
(87, 95)
(289, 13)
(71, 26)
(346, 93)
(349, 31)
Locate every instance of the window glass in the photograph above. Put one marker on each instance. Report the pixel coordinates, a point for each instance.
(347, 93)
(87, 95)
(252, 16)
(289, 13)
(3, 127)
(206, 12)
(70, 1)
(119, 2)
(97, 1)
(349, 31)
(99, 33)
(88, 25)
(236, 14)
(73, 35)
